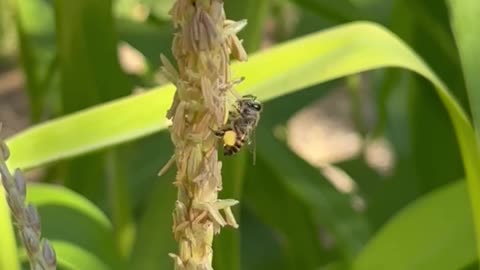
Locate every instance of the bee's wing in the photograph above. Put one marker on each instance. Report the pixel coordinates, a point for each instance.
(252, 145)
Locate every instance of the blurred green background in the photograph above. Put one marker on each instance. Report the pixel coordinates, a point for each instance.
(360, 172)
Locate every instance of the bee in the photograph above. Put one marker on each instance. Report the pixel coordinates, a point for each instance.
(241, 123)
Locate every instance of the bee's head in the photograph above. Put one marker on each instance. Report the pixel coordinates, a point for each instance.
(255, 105)
(251, 103)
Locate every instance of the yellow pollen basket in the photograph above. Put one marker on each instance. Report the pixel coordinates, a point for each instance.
(229, 138)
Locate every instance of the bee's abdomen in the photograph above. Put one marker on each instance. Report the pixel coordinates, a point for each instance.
(230, 150)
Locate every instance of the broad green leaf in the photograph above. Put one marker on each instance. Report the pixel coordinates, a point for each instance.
(87, 49)
(273, 202)
(465, 17)
(72, 257)
(328, 208)
(153, 199)
(68, 217)
(8, 256)
(289, 67)
(434, 232)
(155, 239)
(472, 266)
(261, 245)
(255, 12)
(228, 242)
(91, 74)
(283, 69)
(141, 115)
(119, 201)
(338, 11)
(7, 32)
(432, 166)
(35, 51)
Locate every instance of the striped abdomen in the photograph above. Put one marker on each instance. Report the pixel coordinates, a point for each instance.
(230, 150)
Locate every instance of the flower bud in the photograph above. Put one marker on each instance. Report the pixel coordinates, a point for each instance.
(20, 184)
(48, 254)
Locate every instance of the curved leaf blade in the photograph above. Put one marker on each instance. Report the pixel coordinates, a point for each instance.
(264, 194)
(44, 194)
(8, 256)
(328, 208)
(423, 234)
(122, 120)
(72, 257)
(286, 68)
(70, 218)
(310, 60)
(75, 258)
(154, 239)
(465, 18)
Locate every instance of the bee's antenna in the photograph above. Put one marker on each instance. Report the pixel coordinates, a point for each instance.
(229, 86)
(238, 81)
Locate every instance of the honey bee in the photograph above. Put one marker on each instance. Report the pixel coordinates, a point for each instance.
(241, 123)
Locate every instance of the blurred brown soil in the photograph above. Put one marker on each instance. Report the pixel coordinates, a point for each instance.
(13, 101)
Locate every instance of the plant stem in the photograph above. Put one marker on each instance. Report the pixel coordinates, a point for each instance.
(202, 47)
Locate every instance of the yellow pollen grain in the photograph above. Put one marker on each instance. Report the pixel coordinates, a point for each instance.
(229, 138)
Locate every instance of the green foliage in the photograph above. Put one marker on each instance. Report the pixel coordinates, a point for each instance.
(8, 258)
(107, 144)
(82, 228)
(439, 243)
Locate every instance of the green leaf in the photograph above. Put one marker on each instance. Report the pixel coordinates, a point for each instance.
(36, 53)
(434, 232)
(310, 60)
(120, 202)
(274, 203)
(286, 68)
(141, 115)
(337, 11)
(432, 166)
(384, 196)
(8, 256)
(72, 257)
(87, 49)
(261, 246)
(91, 74)
(328, 208)
(68, 217)
(465, 16)
(256, 13)
(155, 239)
(7, 32)
(228, 242)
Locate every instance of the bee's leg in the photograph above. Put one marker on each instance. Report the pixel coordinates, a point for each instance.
(219, 133)
(234, 113)
(228, 151)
